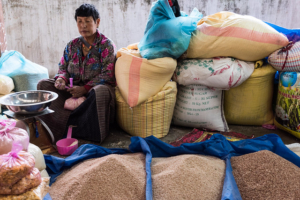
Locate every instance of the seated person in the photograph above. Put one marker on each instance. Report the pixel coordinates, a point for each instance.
(90, 61)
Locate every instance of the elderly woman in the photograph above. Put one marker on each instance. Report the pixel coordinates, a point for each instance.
(89, 60)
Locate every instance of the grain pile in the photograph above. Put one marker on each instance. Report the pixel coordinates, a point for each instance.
(265, 175)
(188, 177)
(109, 177)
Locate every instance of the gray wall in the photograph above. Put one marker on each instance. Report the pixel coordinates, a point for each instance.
(40, 29)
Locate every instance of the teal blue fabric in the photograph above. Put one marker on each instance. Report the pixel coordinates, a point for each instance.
(166, 35)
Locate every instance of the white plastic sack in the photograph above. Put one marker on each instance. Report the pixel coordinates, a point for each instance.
(9, 133)
(44, 174)
(24, 73)
(219, 73)
(6, 84)
(38, 155)
(295, 147)
(200, 107)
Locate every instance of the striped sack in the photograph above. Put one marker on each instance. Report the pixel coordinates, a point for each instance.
(228, 34)
(287, 58)
(138, 79)
(152, 117)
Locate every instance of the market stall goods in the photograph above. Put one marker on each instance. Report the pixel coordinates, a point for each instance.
(198, 106)
(188, 177)
(138, 78)
(240, 36)
(221, 73)
(152, 117)
(251, 102)
(265, 175)
(37, 193)
(31, 180)
(109, 177)
(6, 84)
(288, 103)
(14, 166)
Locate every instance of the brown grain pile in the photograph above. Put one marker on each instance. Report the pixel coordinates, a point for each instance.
(109, 177)
(265, 175)
(188, 177)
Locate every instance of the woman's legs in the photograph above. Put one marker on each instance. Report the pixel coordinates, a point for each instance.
(56, 121)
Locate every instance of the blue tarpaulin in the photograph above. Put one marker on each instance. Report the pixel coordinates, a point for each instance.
(152, 147)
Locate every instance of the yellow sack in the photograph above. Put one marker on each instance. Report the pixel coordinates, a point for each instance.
(138, 79)
(251, 102)
(287, 115)
(228, 34)
(152, 117)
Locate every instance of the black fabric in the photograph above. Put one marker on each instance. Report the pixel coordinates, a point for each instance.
(176, 8)
(85, 117)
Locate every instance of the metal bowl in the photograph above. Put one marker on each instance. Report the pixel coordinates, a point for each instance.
(28, 102)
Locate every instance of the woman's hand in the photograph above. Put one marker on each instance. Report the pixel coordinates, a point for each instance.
(60, 84)
(77, 91)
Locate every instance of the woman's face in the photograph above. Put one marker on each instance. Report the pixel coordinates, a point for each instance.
(87, 26)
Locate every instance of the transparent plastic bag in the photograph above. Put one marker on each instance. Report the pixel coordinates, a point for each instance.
(31, 180)
(15, 165)
(37, 193)
(9, 134)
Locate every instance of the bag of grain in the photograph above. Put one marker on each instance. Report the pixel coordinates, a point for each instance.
(139, 79)
(286, 58)
(9, 133)
(219, 73)
(198, 106)
(239, 36)
(288, 103)
(37, 193)
(38, 155)
(6, 84)
(31, 180)
(25, 73)
(152, 117)
(15, 165)
(251, 102)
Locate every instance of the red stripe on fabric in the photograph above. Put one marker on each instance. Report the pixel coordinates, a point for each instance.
(134, 81)
(243, 33)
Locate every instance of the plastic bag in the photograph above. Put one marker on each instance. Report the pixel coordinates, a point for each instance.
(38, 155)
(31, 180)
(37, 193)
(25, 73)
(9, 133)
(15, 165)
(72, 103)
(165, 34)
(292, 34)
(6, 84)
(219, 73)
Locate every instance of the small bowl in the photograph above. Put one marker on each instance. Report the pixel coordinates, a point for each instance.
(28, 102)
(64, 146)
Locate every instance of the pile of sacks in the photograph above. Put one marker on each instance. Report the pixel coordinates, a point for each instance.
(221, 76)
(22, 165)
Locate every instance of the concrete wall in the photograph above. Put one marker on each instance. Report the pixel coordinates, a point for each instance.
(40, 29)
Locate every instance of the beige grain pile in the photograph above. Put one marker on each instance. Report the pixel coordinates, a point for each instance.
(109, 177)
(188, 177)
(265, 175)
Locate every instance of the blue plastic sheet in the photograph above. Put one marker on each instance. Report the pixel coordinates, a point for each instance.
(292, 34)
(152, 147)
(166, 35)
(24, 73)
